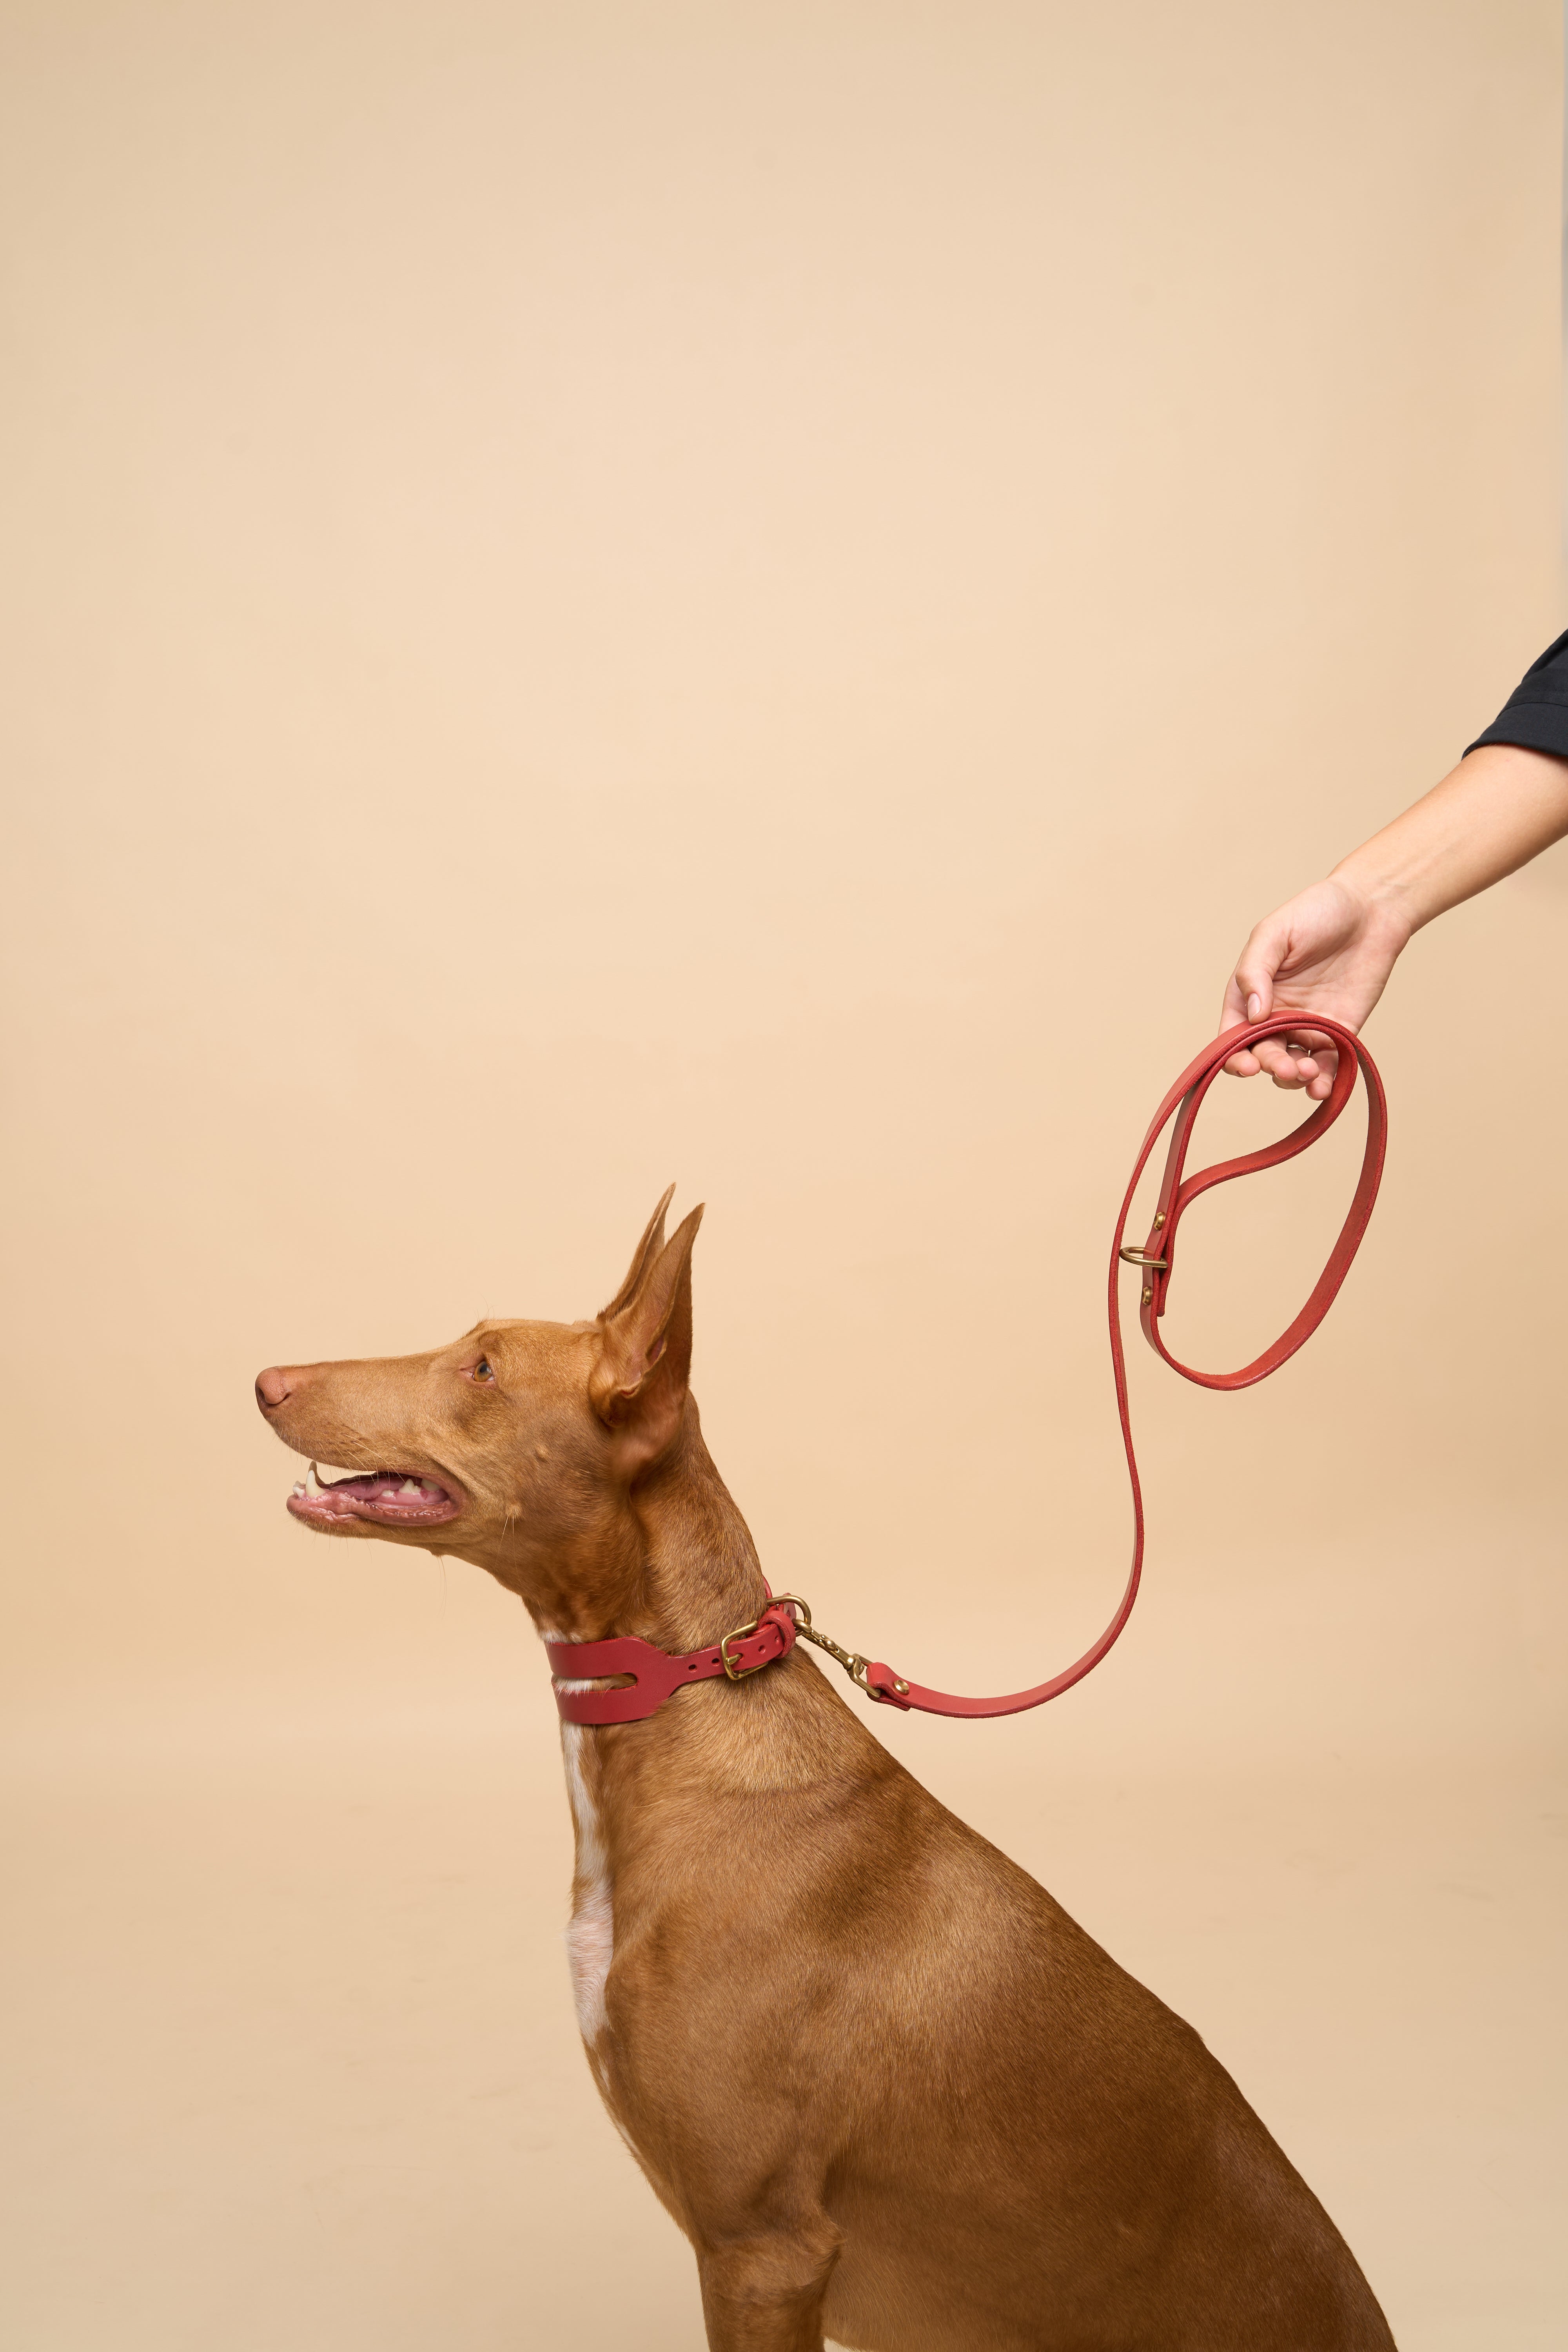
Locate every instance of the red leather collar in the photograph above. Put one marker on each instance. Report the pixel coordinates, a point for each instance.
(773, 1634)
(657, 1674)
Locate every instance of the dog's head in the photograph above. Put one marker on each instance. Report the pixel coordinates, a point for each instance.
(519, 1446)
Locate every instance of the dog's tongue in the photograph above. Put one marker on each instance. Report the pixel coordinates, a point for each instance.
(382, 1493)
(387, 1486)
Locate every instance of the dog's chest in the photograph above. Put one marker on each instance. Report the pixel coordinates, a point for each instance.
(590, 1937)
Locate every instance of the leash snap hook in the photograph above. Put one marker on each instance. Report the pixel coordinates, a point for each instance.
(857, 1667)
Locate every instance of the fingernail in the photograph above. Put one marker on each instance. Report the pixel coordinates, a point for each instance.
(1254, 1007)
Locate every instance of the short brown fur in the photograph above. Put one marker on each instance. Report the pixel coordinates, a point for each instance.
(884, 2084)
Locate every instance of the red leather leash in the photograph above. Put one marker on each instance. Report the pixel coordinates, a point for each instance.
(773, 1634)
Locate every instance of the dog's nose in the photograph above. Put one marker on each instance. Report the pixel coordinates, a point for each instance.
(273, 1388)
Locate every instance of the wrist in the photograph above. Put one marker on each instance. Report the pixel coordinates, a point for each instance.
(1388, 907)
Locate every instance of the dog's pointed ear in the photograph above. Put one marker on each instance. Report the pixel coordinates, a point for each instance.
(643, 1257)
(637, 1387)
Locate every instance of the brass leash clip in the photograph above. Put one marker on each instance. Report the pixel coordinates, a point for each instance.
(853, 1663)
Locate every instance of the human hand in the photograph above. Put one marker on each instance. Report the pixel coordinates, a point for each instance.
(1330, 950)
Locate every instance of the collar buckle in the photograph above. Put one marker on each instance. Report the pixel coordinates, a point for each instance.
(736, 1668)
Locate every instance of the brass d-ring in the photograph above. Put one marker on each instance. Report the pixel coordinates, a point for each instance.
(1137, 1257)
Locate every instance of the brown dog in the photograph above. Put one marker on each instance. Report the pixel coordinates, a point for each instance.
(885, 2085)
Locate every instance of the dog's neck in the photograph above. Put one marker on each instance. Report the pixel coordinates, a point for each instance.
(684, 1573)
(700, 1572)
(672, 1561)
(687, 1574)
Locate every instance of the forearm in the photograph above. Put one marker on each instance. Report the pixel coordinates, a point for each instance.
(1498, 809)
(1330, 949)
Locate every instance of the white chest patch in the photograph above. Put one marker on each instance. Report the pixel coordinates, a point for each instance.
(590, 1937)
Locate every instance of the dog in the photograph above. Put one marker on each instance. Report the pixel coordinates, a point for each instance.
(888, 2089)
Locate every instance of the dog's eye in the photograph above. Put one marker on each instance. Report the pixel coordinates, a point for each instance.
(482, 1370)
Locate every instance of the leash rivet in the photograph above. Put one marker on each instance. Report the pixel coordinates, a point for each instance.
(1148, 1295)
(1158, 1220)
(902, 1688)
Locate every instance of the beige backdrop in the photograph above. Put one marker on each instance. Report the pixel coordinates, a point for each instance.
(759, 594)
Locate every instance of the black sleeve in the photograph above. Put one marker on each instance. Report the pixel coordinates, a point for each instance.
(1536, 712)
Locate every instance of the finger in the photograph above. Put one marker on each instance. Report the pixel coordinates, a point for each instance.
(1249, 992)
(1317, 1059)
(1243, 1065)
(1311, 1047)
(1275, 1058)
(1286, 1069)
(1327, 1062)
(1232, 1011)
(1254, 981)
(1253, 986)
(1241, 1004)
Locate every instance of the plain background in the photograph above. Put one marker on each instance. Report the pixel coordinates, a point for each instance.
(758, 594)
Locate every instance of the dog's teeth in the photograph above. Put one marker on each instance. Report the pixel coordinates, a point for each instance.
(312, 1484)
(299, 1486)
(430, 1489)
(412, 1487)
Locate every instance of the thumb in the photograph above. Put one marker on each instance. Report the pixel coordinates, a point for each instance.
(1248, 996)
(1260, 959)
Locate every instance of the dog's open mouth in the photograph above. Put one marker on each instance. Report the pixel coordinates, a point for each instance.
(392, 1499)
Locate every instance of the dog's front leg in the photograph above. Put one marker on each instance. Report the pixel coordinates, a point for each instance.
(764, 2293)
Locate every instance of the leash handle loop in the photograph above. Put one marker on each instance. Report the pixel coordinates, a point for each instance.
(1156, 1261)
